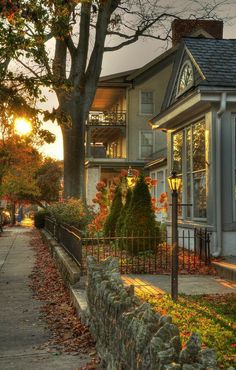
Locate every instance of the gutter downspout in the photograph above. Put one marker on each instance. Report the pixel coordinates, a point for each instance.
(220, 112)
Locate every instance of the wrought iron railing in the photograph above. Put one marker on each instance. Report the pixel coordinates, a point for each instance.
(107, 118)
(139, 253)
(68, 237)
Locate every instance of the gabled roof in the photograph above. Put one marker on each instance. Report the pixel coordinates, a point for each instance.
(214, 67)
(216, 59)
(117, 77)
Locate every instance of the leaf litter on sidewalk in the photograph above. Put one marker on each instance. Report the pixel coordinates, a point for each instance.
(68, 334)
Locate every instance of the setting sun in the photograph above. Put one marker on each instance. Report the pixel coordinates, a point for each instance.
(22, 126)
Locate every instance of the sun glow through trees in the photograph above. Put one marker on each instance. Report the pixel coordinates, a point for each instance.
(22, 126)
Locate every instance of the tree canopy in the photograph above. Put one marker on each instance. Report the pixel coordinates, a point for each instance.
(25, 175)
(59, 44)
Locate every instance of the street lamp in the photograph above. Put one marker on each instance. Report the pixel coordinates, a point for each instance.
(174, 183)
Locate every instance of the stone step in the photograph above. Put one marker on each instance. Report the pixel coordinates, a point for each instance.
(226, 269)
(78, 296)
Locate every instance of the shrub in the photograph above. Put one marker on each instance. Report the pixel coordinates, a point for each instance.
(72, 212)
(116, 207)
(39, 218)
(140, 218)
(121, 220)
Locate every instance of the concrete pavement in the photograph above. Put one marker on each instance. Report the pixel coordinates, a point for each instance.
(188, 284)
(23, 332)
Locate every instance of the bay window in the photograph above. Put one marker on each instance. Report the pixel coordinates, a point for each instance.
(189, 161)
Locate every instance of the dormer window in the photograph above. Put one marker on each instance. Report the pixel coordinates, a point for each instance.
(185, 78)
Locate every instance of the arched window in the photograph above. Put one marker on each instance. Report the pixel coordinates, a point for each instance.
(185, 77)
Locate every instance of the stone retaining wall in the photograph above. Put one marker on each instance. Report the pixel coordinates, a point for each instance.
(131, 335)
(70, 271)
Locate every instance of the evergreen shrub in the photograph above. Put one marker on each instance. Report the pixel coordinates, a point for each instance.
(140, 219)
(116, 207)
(121, 220)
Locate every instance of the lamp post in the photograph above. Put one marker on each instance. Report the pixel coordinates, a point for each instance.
(174, 183)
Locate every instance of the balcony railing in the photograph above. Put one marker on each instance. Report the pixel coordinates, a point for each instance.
(107, 119)
(102, 153)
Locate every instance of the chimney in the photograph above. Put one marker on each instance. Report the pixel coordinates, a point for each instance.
(185, 27)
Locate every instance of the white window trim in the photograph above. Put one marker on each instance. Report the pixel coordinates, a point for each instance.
(140, 102)
(154, 172)
(140, 146)
(184, 172)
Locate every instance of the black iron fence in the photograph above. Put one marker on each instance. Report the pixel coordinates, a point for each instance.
(136, 253)
(68, 237)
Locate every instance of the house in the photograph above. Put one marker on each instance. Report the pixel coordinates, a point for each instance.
(117, 133)
(188, 97)
(199, 116)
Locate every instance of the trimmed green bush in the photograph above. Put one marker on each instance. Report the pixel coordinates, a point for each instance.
(140, 218)
(39, 218)
(116, 207)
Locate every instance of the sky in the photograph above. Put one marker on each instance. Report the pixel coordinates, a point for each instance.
(130, 57)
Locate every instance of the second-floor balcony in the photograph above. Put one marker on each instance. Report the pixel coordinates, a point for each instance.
(107, 119)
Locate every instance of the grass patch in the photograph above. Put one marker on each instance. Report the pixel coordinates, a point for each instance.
(213, 317)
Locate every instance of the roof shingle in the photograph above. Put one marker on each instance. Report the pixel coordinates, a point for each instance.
(216, 59)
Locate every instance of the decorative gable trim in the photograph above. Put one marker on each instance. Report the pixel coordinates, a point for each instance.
(195, 63)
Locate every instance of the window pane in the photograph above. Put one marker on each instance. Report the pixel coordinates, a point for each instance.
(199, 160)
(146, 144)
(154, 188)
(147, 102)
(199, 194)
(146, 138)
(177, 151)
(180, 198)
(188, 149)
(146, 151)
(160, 183)
(189, 197)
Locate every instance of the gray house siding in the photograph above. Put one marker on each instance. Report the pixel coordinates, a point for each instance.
(229, 223)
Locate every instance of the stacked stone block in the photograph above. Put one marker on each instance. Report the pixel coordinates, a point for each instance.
(129, 334)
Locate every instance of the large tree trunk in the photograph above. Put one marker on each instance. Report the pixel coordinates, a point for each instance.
(84, 76)
(74, 154)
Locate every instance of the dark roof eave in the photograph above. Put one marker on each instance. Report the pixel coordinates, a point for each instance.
(154, 119)
(117, 75)
(108, 85)
(156, 163)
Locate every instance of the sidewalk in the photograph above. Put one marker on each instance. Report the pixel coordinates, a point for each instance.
(188, 284)
(22, 330)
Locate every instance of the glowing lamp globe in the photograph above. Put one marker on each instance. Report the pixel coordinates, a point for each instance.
(174, 182)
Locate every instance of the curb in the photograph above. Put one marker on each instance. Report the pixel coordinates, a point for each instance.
(225, 271)
(71, 274)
